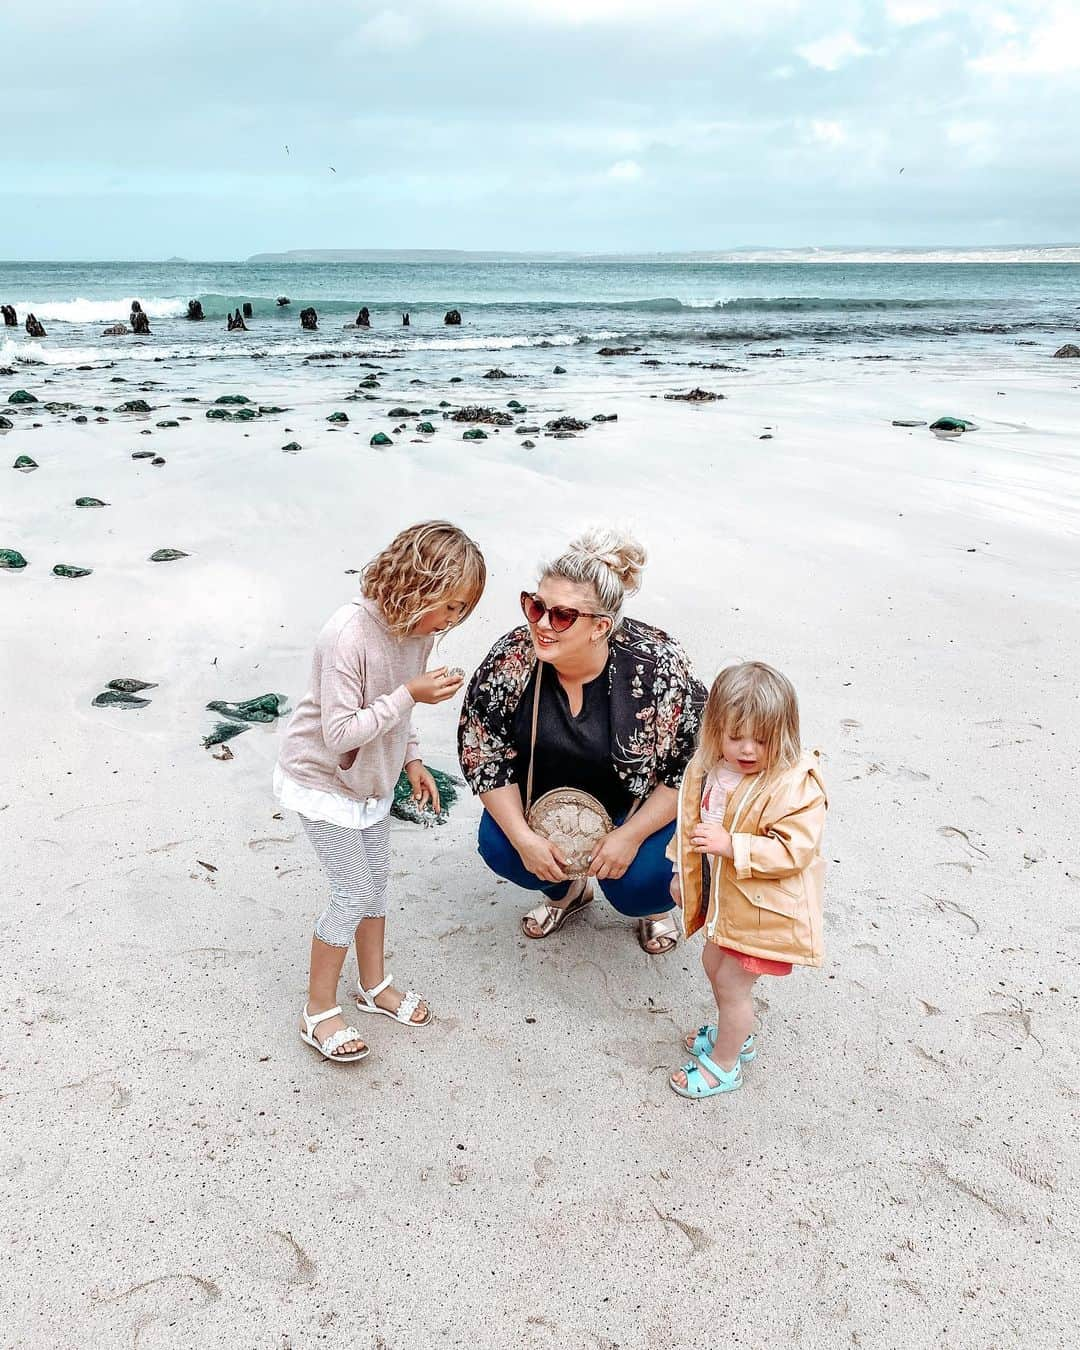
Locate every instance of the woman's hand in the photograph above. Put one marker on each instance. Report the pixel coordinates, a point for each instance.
(540, 856)
(614, 854)
(712, 839)
(435, 686)
(676, 890)
(423, 785)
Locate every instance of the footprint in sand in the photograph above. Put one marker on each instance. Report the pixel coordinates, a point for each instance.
(215, 958)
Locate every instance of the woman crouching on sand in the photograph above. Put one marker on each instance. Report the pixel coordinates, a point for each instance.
(581, 698)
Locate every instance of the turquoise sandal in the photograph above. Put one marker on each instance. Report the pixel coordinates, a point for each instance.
(706, 1039)
(727, 1080)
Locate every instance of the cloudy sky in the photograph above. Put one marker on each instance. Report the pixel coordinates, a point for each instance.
(140, 130)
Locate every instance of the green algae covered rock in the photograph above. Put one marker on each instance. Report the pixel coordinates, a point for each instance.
(474, 434)
(426, 428)
(168, 555)
(142, 454)
(21, 396)
(559, 370)
(116, 698)
(129, 686)
(90, 501)
(245, 414)
(406, 809)
(12, 560)
(952, 424)
(293, 448)
(380, 438)
(60, 407)
(517, 407)
(268, 408)
(25, 464)
(222, 732)
(138, 405)
(6, 423)
(338, 417)
(265, 708)
(165, 424)
(66, 570)
(219, 414)
(233, 398)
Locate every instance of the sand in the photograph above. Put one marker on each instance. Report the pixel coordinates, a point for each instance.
(180, 1171)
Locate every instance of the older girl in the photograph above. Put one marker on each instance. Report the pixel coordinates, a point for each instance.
(345, 747)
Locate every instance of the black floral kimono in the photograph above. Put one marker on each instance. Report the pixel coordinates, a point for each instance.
(655, 709)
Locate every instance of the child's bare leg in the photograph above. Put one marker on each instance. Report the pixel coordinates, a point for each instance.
(370, 940)
(325, 972)
(731, 986)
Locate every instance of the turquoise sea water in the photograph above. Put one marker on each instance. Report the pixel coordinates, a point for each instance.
(520, 307)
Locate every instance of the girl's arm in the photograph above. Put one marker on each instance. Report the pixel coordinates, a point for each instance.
(346, 723)
(788, 846)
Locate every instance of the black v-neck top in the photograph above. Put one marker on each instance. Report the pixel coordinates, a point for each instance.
(570, 751)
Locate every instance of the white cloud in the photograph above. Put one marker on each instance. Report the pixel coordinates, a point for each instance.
(832, 52)
(1049, 46)
(828, 133)
(388, 31)
(625, 171)
(906, 13)
(976, 139)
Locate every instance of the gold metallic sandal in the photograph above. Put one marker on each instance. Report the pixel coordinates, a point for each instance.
(664, 929)
(551, 917)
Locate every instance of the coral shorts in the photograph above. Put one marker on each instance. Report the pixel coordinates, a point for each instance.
(758, 965)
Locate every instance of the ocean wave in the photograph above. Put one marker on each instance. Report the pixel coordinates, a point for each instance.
(823, 304)
(33, 353)
(100, 311)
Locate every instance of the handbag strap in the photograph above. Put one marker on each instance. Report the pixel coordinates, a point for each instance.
(532, 737)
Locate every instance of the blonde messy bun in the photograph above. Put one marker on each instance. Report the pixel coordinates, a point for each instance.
(606, 560)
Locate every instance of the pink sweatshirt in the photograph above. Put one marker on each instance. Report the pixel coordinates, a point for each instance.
(357, 701)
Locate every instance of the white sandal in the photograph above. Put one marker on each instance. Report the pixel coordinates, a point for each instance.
(335, 1040)
(365, 1002)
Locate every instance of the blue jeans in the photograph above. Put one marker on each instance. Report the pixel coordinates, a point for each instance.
(642, 889)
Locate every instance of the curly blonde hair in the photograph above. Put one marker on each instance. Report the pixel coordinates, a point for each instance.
(418, 569)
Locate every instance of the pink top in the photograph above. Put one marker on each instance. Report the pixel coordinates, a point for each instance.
(357, 710)
(720, 783)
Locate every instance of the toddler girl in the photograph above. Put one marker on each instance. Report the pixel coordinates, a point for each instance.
(747, 861)
(344, 750)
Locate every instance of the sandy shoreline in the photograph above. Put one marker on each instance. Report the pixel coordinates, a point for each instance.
(181, 1171)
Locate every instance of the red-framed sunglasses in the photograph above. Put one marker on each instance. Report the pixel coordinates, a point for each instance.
(561, 617)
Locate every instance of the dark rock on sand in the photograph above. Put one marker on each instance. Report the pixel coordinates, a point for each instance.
(605, 417)
(456, 379)
(908, 422)
(6, 423)
(695, 396)
(238, 399)
(222, 732)
(477, 414)
(776, 351)
(309, 319)
(338, 417)
(528, 445)
(134, 405)
(427, 428)
(496, 374)
(124, 685)
(558, 370)
(90, 501)
(954, 425)
(142, 454)
(167, 555)
(618, 351)
(81, 418)
(566, 424)
(116, 698)
(12, 560)
(402, 412)
(474, 434)
(1069, 350)
(264, 708)
(524, 430)
(380, 438)
(452, 317)
(195, 310)
(516, 406)
(157, 461)
(66, 570)
(293, 448)
(25, 464)
(34, 326)
(116, 330)
(60, 407)
(22, 396)
(284, 300)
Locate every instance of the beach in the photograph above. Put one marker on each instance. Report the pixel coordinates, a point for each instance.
(901, 1169)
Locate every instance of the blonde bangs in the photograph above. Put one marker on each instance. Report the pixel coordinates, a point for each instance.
(752, 700)
(420, 569)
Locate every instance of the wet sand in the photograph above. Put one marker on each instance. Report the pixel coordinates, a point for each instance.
(180, 1170)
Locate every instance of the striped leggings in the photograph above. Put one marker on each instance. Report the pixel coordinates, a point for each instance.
(357, 863)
